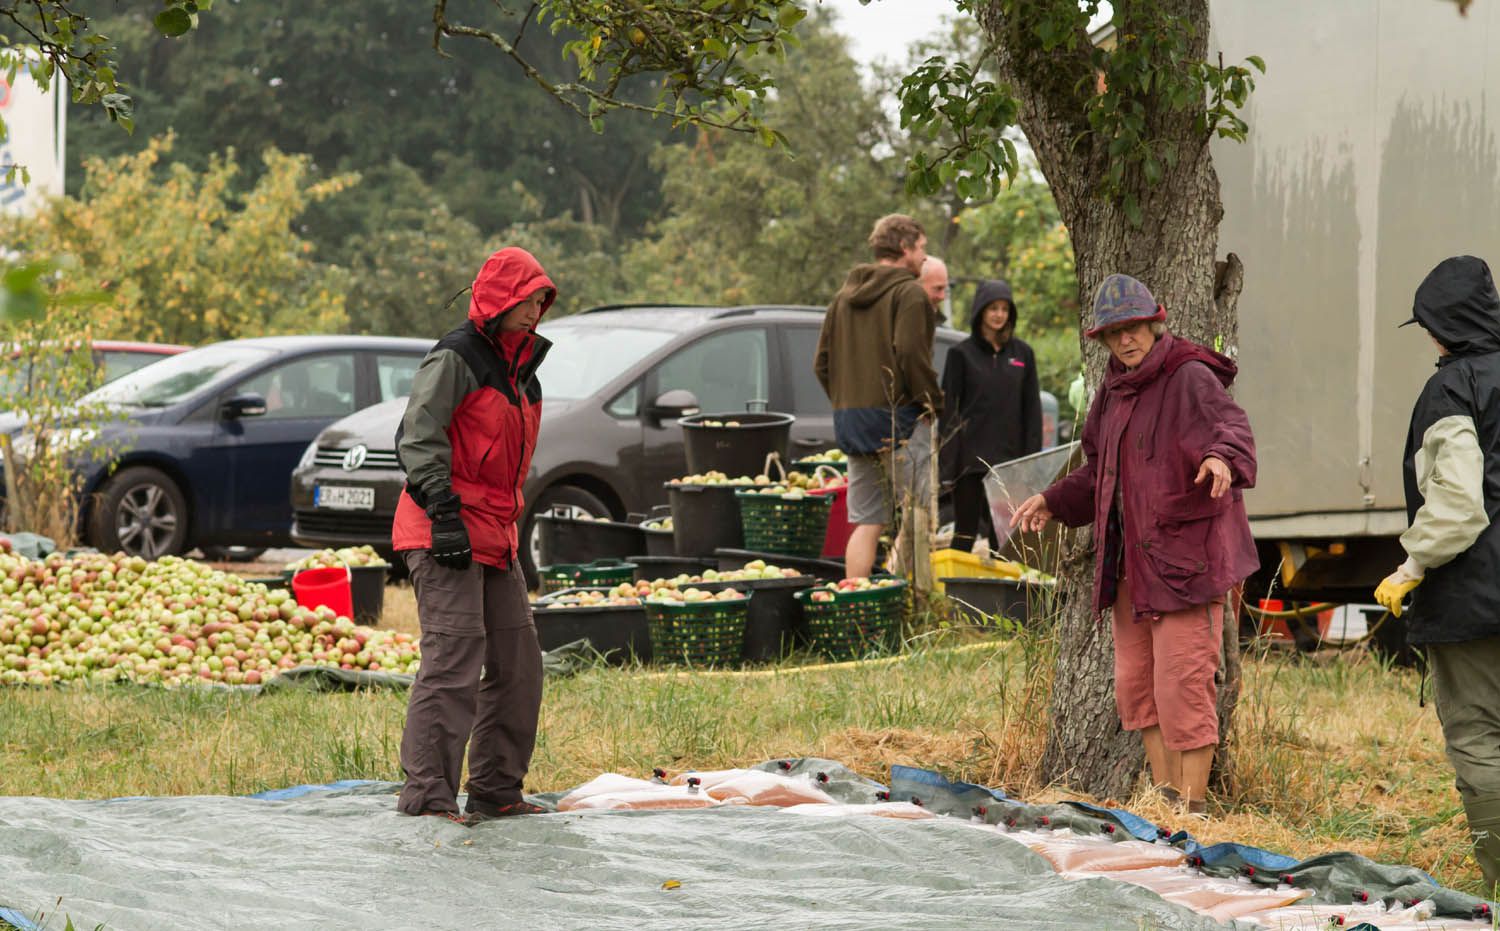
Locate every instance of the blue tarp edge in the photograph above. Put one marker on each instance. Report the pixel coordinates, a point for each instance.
(291, 792)
(14, 917)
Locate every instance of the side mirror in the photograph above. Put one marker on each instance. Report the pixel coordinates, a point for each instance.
(669, 405)
(243, 405)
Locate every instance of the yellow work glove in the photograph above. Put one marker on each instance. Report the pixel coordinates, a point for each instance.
(1396, 586)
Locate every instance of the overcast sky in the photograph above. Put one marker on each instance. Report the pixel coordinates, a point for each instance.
(886, 28)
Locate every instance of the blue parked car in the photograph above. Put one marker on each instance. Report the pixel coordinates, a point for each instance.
(204, 449)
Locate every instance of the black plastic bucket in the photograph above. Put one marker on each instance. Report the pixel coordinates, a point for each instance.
(738, 450)
(658, 542)
(985, 601)
(650, 568)
(617, 631)
(367, 586)
(705, 518)
(774, 624)
(828, 569)
(567, 540)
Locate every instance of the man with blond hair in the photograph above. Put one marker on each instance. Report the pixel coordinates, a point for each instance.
(874, 361)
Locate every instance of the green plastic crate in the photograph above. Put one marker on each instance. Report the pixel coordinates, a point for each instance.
(599, 573)
(808, 466)
(787, 526)
(854, 624)
(698, 633)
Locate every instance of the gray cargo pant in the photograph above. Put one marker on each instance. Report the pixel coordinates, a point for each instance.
(480, 683)
(1466, 689)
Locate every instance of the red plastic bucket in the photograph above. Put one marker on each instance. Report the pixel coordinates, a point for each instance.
(1279, 628)
(839, 528)
(325, 586)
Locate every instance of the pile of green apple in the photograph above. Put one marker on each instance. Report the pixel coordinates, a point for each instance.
(780, 491)
(712, 478)
(832, 590)
(718, 423)
(754, 571)
(104, 618)
(830, 456)
(351, 556)
(622, 595)
(814, 482)
(660, 523)
(692, 596)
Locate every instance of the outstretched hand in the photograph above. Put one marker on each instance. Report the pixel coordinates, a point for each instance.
(1032, 515)
(1215, 468)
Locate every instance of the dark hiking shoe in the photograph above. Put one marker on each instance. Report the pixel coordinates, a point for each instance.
(478, 810)
(453, 816)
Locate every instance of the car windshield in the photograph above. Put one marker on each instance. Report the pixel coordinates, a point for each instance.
(584, 359)
(176, 377)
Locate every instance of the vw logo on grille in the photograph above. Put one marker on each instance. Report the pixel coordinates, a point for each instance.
(355, 458)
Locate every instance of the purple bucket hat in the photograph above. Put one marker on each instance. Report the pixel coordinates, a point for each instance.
(1122, 299)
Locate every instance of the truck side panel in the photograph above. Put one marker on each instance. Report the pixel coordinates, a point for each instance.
(1372, 156)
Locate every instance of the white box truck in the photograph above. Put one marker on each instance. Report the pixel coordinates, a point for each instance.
(36, 121)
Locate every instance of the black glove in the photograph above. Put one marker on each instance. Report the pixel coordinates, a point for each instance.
(450, 538)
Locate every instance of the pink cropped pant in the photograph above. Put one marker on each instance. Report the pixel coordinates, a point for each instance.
(1164, 671)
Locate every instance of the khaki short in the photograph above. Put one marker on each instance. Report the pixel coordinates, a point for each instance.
(878, 483)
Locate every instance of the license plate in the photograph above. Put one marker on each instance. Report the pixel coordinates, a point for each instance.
(344, 497)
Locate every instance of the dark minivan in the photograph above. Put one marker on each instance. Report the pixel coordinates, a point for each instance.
(204, 441)
(609, 436)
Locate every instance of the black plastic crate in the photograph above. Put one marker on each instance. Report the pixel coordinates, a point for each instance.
(617, 631)
(568, 540)
(985, 601)
(774, 623)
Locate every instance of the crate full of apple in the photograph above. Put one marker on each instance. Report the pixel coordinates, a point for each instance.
(831, 591)
(626, 594)
(675, 596)
(354, 557)
(798, 480)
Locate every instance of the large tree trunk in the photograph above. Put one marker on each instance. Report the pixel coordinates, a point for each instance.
(1173, 252)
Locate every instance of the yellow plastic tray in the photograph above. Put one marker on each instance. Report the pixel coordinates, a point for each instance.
(958, 564)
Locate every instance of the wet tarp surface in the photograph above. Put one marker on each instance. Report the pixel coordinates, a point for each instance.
(339, 856)
(345, 859)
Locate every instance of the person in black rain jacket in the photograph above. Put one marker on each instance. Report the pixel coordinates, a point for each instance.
(1452, 476)
(993, 409)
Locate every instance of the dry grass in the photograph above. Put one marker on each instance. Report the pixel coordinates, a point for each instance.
(1333, 752)
(400, 609)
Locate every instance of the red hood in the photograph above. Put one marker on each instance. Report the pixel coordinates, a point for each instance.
(507, 278)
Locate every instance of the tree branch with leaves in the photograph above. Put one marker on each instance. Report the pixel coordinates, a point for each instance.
(707, 56)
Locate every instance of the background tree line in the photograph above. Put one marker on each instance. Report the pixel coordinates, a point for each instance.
(279, 180)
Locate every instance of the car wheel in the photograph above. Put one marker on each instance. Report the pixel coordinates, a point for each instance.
(142, 512)
(232, 553)
(561, 501)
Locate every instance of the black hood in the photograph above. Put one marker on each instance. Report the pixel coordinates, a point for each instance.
(1458, 305)
(986, 294)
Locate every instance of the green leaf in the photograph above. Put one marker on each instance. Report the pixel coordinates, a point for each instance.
(790, 16)
(1258, 62)
(1152, 169)
(1132, 210)
(173, 22)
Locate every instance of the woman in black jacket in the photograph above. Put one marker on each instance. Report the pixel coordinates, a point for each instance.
(992, 405)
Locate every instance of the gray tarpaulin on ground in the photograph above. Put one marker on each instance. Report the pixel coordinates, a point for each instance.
(343, 858)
